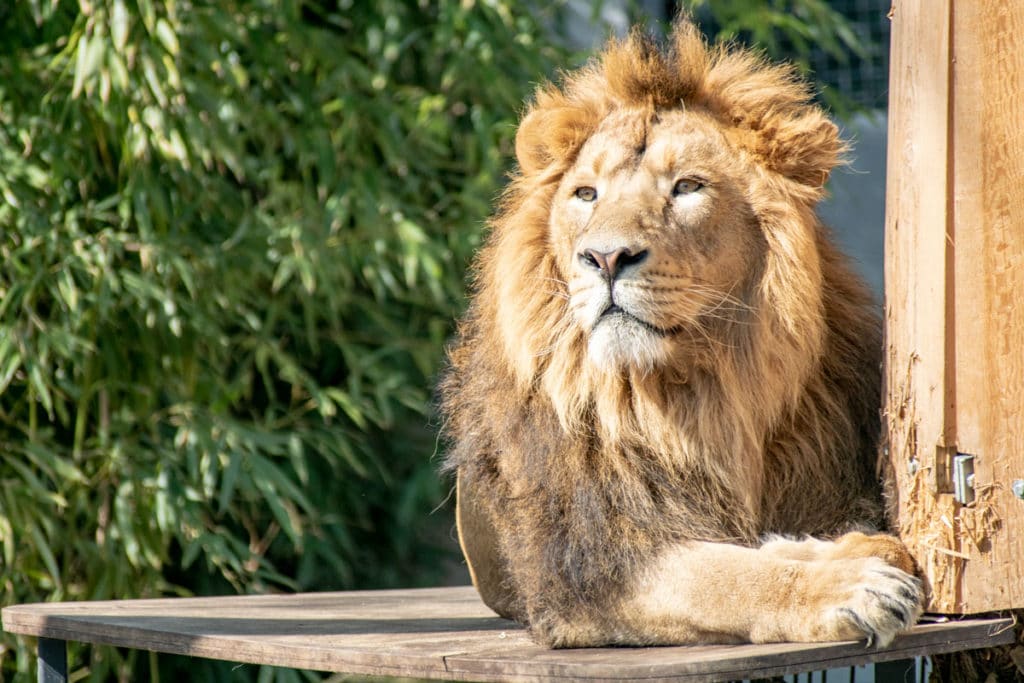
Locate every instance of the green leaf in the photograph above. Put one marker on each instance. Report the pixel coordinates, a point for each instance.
(119, 24)
(39, 386)
(10, 361)
(229, 481)
(167, 37)
(42, 546)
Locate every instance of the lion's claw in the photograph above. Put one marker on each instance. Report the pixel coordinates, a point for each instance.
(880, 603)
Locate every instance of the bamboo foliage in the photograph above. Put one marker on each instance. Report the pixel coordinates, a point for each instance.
(232, 239)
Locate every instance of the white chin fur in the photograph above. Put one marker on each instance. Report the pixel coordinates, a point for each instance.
(622, 343)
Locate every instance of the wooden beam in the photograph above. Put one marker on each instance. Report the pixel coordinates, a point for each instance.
(954, 271)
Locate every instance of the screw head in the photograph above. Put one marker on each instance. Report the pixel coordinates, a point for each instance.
(1018, 488)
(912, 466)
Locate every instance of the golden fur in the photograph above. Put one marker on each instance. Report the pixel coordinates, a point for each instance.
(665, 361)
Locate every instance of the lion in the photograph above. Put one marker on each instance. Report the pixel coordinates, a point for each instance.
(662, 402)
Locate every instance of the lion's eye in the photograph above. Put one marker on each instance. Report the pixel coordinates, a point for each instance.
(586, 193)
(686, 186)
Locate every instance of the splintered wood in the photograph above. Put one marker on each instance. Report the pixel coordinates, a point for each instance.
(954, 279)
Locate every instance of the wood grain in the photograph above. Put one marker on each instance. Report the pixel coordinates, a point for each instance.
(988, 212)
(919, 395)
(954, 271)
(444, 633)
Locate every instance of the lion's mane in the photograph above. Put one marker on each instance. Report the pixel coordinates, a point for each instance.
(765, 425)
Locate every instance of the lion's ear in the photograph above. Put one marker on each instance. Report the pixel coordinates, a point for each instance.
(550, 135)
(804, 148)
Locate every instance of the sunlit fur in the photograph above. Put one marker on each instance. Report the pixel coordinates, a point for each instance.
(755, 412)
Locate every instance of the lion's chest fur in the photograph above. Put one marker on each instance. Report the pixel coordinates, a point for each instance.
(593, 511)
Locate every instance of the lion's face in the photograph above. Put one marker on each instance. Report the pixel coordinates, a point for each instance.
(654, 237)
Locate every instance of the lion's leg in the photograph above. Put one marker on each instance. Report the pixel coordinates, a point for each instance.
(711, 592)
(479, 541)
(850, 545)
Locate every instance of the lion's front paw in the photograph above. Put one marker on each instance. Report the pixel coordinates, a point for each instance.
(873, 600)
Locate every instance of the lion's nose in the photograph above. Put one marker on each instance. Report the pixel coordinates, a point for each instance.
(611, 263)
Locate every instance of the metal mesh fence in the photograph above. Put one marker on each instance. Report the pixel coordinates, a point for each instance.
(862, 79)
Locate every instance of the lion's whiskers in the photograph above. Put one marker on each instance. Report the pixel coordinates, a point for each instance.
(544, 278)
(556, 293)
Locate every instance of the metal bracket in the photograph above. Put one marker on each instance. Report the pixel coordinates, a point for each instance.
(963, 478)
(53, 661)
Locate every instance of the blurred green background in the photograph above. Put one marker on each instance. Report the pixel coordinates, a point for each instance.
(234, 238)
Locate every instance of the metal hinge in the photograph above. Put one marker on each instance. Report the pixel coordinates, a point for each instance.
(963, 478)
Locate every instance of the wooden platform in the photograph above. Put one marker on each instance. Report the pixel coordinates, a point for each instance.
(444, 633)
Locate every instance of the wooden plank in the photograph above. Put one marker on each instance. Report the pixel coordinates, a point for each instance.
(395, 633)
(725, 662)
(988, 212)
(918, 393)
(436, 633)
(954, 269)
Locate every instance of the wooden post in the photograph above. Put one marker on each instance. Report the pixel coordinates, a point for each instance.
(955, 296)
